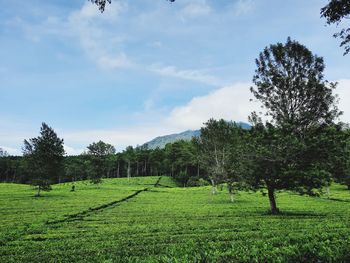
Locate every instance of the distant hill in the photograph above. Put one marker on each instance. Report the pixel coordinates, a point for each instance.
(161, 141)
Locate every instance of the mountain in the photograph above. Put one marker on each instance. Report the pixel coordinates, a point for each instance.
(161, 141)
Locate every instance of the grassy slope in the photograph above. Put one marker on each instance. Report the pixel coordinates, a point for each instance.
(21, 211)
(164, 224)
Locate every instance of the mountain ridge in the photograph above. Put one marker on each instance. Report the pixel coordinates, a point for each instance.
(161, 141)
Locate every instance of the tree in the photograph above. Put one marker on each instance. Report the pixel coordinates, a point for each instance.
(335, 12)
(290, 151)
(75, 168)
(341, 156)
(290, 85)
(102, 3)
(129, 157)
(217, 143)
(101, 149)
(181, 160)
(97, 162)
(44, 156)
(3, 153)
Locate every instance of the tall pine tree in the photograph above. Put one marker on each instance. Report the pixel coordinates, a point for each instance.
(44, 156)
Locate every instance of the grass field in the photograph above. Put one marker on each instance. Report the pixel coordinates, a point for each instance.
(149, 219)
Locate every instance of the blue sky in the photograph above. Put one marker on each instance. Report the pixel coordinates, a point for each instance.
(144, 67)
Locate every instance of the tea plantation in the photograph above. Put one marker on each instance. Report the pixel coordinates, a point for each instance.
(150, 219)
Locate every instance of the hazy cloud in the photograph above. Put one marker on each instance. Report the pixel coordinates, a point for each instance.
(230, 103)
(243, 7)
(196, 9)
(193, 75)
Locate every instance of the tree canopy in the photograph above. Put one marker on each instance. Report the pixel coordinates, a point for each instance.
(335, 12)
(44, 156)
(101, 148)
(3, 152)
(290, 85)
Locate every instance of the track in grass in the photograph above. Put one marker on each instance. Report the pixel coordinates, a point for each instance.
(191, 225)
(27, 230)
(90, 211)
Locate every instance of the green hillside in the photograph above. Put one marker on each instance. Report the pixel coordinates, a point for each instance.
(149, 219)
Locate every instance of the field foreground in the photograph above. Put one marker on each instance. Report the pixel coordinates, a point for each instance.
(149, 219)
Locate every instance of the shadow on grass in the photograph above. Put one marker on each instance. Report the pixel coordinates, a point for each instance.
(301, 214)
(338, 200)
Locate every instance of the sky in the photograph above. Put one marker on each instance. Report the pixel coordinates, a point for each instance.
(144, 68)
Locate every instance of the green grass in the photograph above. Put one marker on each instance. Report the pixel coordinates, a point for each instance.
(170, 224)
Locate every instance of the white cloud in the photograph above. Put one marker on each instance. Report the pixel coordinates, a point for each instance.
(72, 151)
(89, 13)
(193, 75)
(120, 138)
(233, 103)
(230, 103)
(196, 9)
(343, 90)
(120, 61)
(92, 30)
(11, 151)
(157, 44)
(243, 7)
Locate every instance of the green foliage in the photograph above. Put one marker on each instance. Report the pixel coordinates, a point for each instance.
(340, 156)
(181, 158)
(290, 85)
(3, 153)
(96, 164)
(169, 224)
(294, 151)
(197, 181)
(44, 156)
(220, 149)
(335, 12)
(100, 148)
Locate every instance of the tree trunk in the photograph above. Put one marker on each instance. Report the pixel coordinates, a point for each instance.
(271, 193)
(214, 190)
(232, 197)
(129, 170)
(118, 174)
(328, 191)
(198, 170)
(14, 176)
(39, 188)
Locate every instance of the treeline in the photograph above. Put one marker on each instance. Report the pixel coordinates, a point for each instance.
(178, 160)
(300, 147)
(263, 157)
